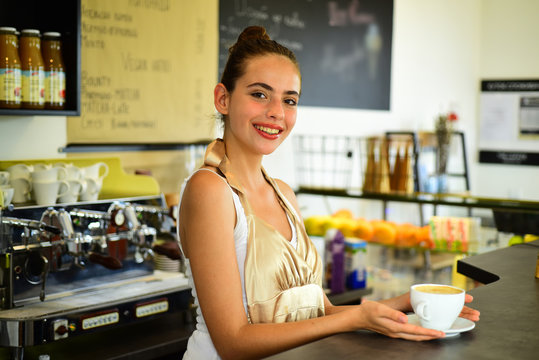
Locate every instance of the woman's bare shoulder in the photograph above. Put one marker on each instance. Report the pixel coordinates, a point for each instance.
(205, 183)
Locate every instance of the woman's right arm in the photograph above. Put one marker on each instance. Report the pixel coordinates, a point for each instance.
(206, 230)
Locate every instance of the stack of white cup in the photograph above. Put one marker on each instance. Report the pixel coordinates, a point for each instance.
(92, 177)
(48, 183)
(21, 182)
(6, 189)
(73, 175)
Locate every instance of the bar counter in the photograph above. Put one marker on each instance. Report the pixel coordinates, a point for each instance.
(508, 328)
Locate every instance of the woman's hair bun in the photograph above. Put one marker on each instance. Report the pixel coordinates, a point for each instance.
(253, 33)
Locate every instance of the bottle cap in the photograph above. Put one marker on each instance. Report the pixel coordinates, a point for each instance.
(52, 34)
(29, 32)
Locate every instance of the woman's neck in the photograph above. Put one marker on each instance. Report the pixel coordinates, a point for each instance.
(246, 166)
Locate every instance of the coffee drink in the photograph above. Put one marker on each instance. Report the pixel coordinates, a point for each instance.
(438, 289)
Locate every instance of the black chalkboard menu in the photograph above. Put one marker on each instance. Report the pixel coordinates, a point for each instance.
(343, 46)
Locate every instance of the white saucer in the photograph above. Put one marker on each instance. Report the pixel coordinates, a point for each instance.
(460, 325)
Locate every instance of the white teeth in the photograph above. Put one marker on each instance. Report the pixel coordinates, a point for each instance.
(267, 130)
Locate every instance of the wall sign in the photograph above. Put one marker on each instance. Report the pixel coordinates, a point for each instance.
(509, 122)
(343, 47)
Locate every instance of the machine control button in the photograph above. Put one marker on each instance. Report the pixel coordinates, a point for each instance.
(60, 329)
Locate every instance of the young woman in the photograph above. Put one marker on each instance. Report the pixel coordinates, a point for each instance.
(256, 276)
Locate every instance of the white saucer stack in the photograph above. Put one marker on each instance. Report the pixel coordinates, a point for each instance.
(163, 263)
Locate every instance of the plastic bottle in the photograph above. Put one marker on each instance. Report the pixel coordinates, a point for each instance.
(33, 70)
(337, 263)
(10, 69)
(55, 76)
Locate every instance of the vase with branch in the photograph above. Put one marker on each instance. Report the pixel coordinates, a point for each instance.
(443, 131)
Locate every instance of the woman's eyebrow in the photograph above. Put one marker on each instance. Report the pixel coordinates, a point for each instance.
(269, 88)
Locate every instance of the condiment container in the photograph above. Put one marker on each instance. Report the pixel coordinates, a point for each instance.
(33, 70)
(55, 76)
(10, 69)
(355, 263)
(335, 261)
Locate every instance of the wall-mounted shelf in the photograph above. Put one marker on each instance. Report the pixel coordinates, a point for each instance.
(54, 15)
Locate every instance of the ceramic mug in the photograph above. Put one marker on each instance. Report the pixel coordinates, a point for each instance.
(4, 177)
(76, 187)
(437, 306)
(91, 192)
(73, 172)
(20, 171)
(7, 195)
(41, 166)
(94, 171)
(46, 193)
(48, 175)
(22, 187)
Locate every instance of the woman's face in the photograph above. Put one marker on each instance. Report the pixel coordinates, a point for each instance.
(262, 109)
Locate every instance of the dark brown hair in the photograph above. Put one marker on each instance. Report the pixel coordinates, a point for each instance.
(252, 42)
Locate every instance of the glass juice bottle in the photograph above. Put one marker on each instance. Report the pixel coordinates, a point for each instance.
(33, 70)
(10, 69)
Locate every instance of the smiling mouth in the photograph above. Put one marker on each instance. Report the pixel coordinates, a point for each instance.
(267, 130)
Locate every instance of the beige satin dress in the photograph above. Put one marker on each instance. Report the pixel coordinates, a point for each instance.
(282, 283)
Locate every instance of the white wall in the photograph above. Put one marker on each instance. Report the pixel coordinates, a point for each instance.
(31, 137)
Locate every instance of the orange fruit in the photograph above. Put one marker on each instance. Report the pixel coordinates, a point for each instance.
(363, 229)
(406, 235)
(384, 232)
(343, 213)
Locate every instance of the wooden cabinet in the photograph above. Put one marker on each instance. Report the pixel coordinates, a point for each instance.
(52, 15)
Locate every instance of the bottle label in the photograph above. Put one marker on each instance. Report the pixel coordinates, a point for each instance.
(33, 86)
(55, 87)
(10, 85)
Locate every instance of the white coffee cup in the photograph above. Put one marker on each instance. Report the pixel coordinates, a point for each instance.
(46, 193)
(22, 187)
(76, 187)
(20, 171)
(436, 305)
(73, 172)
(4, 177)
(7, 195)
(95, 171)
(91, 192)
(41, 166)
(48, 175)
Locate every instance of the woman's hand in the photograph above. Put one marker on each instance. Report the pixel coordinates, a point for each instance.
(467, 312)
(402, 303)
(382, 319)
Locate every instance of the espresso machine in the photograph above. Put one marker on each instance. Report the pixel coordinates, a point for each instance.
(77, 272)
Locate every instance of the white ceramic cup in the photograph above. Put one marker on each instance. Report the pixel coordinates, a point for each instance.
(76, 187)
(48, 175)
(4, 177)
(436, 305)
(46, 193)
(73, 172)
(7, 195)
(41, 166)
(91, 191)
(95, 171)
(20, 171)
(22, 187)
